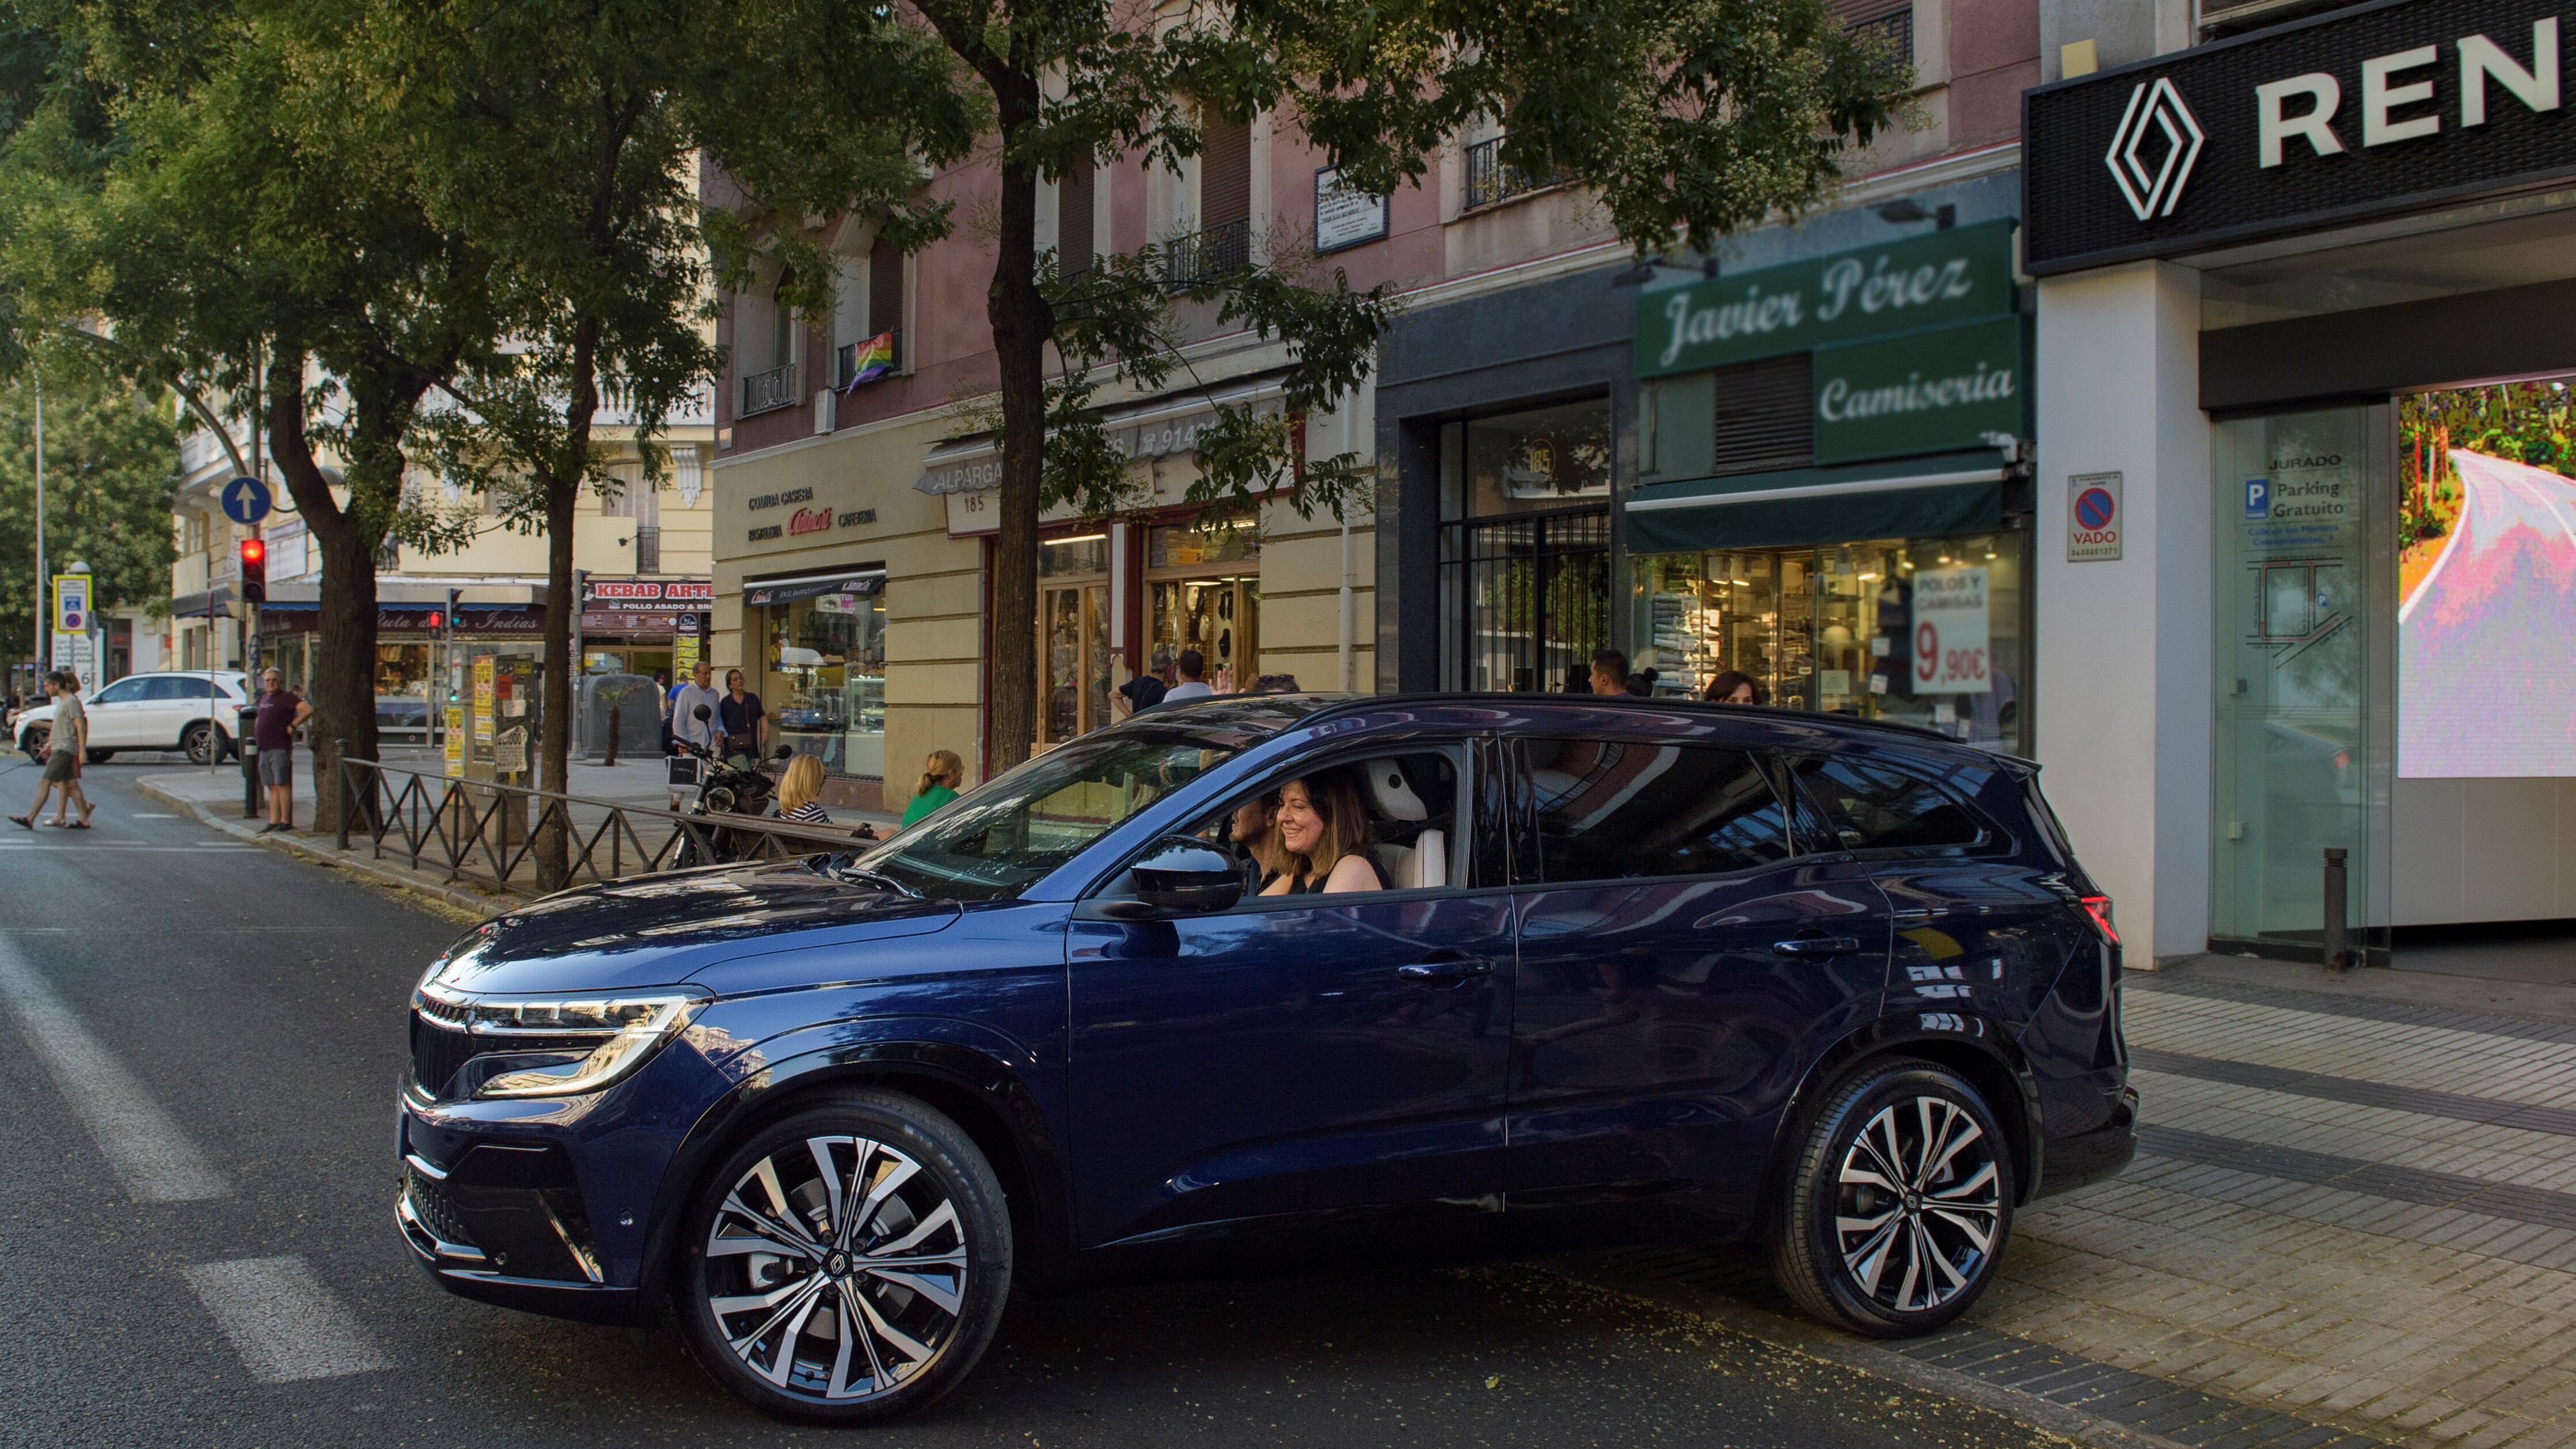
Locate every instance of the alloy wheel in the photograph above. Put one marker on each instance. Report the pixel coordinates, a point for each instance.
(836, 1269)
(1920, 1204)
(199, 742)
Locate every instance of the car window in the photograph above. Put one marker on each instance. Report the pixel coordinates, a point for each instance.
(1000, 837)
(123, 691)
(1409, 812)
(1873, 806)
(168, 686)
(1610, 809)
(197, 688)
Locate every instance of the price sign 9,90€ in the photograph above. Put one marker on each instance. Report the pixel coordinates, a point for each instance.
(1950, 636)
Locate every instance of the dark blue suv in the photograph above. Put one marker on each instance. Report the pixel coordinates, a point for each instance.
(1271, 964)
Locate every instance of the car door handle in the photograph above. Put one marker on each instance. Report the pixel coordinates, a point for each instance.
(1817, 946)
(1446, 966)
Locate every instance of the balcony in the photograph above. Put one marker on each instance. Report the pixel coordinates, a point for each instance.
(1491, 181)
(1212, 255)
(648, 548)
(1894, 31)
(845, 361)
(767, 392)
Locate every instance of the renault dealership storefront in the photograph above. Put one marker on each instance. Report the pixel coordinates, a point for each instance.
(2306, 557)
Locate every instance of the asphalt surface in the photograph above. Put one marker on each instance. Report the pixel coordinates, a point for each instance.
(196, 1189)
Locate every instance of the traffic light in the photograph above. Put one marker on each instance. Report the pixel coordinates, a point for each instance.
(254, 571)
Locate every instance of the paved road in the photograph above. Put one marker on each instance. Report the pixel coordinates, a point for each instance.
(195, 1193)
(2482, 654)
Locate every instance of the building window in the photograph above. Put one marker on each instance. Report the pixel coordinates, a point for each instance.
(1839, 628)
(771, 345)
(1765, 416)
(1075, 203)
(1888, 23)
(823, 667)
(1525, 547)
(1073, 636)
(1206, 587)
(1222, 245)
(1490, 180)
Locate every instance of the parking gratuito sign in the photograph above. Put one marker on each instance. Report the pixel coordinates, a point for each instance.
(1950, 634)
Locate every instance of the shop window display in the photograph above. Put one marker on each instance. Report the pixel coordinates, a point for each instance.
(1073, 636)
(825, 680)
(1206, 587)
(1924, 631)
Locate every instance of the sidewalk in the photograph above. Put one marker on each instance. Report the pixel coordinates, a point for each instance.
(215, 798)
(2352, 1219)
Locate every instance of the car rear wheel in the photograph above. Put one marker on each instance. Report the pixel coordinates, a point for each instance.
(38, 740)
(1898, 1204)
(99, 757)
(848, 1264)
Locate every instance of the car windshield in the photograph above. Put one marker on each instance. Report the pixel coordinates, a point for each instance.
(989, 845)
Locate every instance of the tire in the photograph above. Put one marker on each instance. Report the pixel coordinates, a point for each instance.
(1898, 1204)
(198, 741)
(37, 742)
(99, 757)
(756, 1321)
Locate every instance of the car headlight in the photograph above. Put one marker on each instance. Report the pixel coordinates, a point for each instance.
(623, 1032)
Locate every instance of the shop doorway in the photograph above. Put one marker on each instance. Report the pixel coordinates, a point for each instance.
(1073, 636)
(2395, 586)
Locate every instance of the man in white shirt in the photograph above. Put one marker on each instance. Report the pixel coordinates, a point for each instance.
(1193, 667)
(685, 725)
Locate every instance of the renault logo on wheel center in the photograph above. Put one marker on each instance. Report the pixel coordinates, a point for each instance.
(2155, 114)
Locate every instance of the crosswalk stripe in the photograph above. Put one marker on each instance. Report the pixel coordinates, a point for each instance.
(283, 1320)
(149, 1154)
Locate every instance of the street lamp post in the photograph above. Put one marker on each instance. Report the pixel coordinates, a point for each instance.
(44, 618)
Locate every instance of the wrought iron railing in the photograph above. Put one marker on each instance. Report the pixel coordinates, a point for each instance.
(1491, 180)
(1894, 30)
(648, 548)
(497, 836)
(845, 360)
(1208, 256)
(769, 391)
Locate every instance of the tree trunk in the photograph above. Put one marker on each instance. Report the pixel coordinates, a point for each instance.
(1023, 321)
(344, 648)
(563, 496)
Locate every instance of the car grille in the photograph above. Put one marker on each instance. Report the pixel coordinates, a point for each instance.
(429, 1203)
(438, 1050)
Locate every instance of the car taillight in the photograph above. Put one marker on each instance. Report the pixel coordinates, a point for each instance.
(2099, 908)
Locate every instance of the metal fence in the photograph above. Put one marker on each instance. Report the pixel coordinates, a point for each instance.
(767, 391)
(495, 835)
(1491, 180)
(1208, 256)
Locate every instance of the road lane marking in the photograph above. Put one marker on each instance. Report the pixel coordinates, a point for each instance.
(143, 1146)
(153, 815)
(284, 1322)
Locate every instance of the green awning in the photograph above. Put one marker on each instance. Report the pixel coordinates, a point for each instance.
(1932, 497)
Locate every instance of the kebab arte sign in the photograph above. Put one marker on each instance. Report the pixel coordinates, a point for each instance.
(645, 606)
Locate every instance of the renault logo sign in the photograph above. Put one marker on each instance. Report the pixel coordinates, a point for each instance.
(2154, 110)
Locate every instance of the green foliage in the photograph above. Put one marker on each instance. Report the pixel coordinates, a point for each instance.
(110, 458)
(2522, 422)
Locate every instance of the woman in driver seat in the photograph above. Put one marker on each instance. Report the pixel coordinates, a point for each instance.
(1323, 834)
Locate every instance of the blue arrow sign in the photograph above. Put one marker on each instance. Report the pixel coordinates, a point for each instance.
(246, 501)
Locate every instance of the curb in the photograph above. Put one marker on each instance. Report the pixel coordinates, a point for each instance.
(1823, 1344)
(479, 906)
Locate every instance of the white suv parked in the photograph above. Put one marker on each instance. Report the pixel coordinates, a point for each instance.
(182, 710)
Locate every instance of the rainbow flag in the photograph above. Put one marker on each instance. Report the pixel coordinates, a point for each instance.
(875, 359)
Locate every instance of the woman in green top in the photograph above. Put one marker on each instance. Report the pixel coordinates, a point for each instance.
(938, 786)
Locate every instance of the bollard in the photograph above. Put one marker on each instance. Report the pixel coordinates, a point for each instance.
(2337, 957)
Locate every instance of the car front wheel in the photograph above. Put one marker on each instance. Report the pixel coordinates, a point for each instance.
(199, 742)
(99, 757)
(848, 1264)
(1898, 1204)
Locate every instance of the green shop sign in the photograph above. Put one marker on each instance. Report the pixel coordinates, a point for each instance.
(1923, 392)
(1922, 281)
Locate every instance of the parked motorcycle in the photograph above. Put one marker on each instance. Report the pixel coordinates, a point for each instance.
(724, 788)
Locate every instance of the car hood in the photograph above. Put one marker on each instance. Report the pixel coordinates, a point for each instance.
(660, 930)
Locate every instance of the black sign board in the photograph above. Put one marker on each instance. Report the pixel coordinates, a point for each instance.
(2372, 111)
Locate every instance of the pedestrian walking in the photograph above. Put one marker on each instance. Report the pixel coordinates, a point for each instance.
(940, 777)
(70, 741)
(1609, 672)
(281, 713)
(698, 693)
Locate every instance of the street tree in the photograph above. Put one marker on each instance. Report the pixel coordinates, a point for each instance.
(111, 454)
(564, 138)
(1689, 118)
(191, 182)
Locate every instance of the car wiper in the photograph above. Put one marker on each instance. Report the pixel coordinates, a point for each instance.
(852, 872)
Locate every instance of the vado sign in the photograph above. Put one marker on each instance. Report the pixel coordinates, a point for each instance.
(2372, 110)
(1920, 281)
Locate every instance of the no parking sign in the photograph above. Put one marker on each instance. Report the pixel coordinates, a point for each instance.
(2093, 520)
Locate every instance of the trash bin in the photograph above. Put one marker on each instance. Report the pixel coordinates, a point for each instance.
(246, 744)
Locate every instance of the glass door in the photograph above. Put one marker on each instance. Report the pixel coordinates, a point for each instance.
(2305, 684)
(1074, 645)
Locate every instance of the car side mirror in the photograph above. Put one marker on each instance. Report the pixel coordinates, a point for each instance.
(1186, 875)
